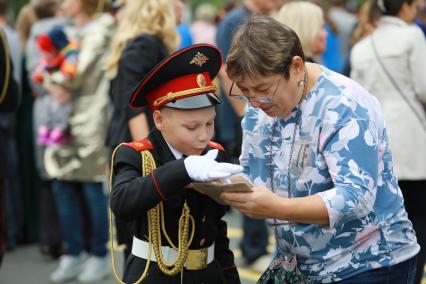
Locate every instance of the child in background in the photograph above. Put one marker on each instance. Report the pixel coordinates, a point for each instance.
(58, 65)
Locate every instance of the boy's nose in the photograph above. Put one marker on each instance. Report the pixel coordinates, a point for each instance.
(203, 135)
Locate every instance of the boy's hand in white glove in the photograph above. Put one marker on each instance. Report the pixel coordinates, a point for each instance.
(206, 168)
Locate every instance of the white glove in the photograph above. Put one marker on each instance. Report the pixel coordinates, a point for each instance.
(205, 168)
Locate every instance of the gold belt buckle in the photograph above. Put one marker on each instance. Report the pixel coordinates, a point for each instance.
(197, 259)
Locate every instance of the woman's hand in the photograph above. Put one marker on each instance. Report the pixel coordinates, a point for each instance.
(261, 203)
(61, 94)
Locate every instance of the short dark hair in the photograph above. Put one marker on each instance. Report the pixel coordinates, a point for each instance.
(391, 7)
(263, 46)
(3, 7)
(45, 8)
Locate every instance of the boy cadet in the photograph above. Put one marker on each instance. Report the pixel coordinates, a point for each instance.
(179, 234)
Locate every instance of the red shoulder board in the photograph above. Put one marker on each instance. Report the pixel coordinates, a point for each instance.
(216, 146)
(141, 145)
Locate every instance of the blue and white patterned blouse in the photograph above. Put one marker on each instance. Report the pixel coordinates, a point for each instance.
(341, 153)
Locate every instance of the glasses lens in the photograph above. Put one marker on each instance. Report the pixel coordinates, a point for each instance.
(263, 100)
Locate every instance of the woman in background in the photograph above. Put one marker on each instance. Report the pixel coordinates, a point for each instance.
(145, 36)
(307, 20)
(80, 166)
(390, 63)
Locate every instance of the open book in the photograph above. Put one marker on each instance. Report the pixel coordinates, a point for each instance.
(213, 190)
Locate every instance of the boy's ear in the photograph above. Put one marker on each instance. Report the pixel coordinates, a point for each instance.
(158, 119)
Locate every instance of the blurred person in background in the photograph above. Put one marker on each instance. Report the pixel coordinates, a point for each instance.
(58, 65)
(307, 20)
(331, 57)
(145, 36)
(37, 184)
(183, 28)
(390, 63)
(117, 10)
(204, 28)
(9, 127)
(366, 24)
(228, 125)
(81, 164)
(345, 22)
(421, 15)
(9, 99)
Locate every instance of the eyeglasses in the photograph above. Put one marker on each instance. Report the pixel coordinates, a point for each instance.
(248, 99)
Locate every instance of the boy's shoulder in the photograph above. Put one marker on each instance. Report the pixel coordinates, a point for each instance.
(140, 145)
(146, 144)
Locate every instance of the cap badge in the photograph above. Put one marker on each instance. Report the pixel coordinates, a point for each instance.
(201, 80)
(199, 59)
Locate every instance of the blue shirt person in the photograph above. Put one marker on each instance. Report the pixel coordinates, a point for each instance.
(316, 153)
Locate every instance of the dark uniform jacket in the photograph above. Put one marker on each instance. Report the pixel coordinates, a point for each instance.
(9, 100)
(133, 195)
(139, 56)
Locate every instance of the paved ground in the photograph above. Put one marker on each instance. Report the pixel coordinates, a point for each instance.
(26, 265)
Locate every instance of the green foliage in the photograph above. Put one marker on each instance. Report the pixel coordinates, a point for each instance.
(15, 6)
(217, 3)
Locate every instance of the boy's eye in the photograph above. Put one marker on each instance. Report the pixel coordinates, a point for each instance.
(190, 127)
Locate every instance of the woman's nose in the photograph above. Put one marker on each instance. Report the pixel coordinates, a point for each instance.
(254, 103)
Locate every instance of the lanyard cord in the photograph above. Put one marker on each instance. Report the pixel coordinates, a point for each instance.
(296, 127)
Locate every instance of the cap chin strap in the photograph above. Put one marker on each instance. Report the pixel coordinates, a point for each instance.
(178, 95)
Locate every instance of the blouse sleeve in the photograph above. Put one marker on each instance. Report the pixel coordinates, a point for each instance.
(351, 154)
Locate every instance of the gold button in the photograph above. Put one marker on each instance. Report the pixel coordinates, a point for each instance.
(204, 219)
(203, 240)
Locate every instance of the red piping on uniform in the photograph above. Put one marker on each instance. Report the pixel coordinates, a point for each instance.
(228, 267)
(156, 186)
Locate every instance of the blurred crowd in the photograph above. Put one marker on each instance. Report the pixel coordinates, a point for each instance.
(77, 61)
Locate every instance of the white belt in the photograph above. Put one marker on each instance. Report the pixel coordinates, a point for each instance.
(141, 248)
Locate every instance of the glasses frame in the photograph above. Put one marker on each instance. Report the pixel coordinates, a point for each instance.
(260, 99)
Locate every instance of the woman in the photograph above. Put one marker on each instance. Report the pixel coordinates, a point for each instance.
(81, 165)
(307, 20)
(316, 153)
(390, 63)
(146, 35)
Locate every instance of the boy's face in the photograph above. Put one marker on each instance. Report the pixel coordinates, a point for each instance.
(188, 131)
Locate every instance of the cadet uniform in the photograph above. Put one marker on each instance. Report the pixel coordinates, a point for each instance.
(182, 81)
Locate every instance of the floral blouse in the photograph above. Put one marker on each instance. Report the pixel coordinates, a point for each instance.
(340, 152)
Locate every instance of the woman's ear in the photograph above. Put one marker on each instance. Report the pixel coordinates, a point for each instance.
(158, 119)
(297, 64)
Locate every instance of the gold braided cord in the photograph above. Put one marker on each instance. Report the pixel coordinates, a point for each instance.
(7, 65)
(156, 215)
(183, 242)
(156, 224)
(163, 228)
(146, 169)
